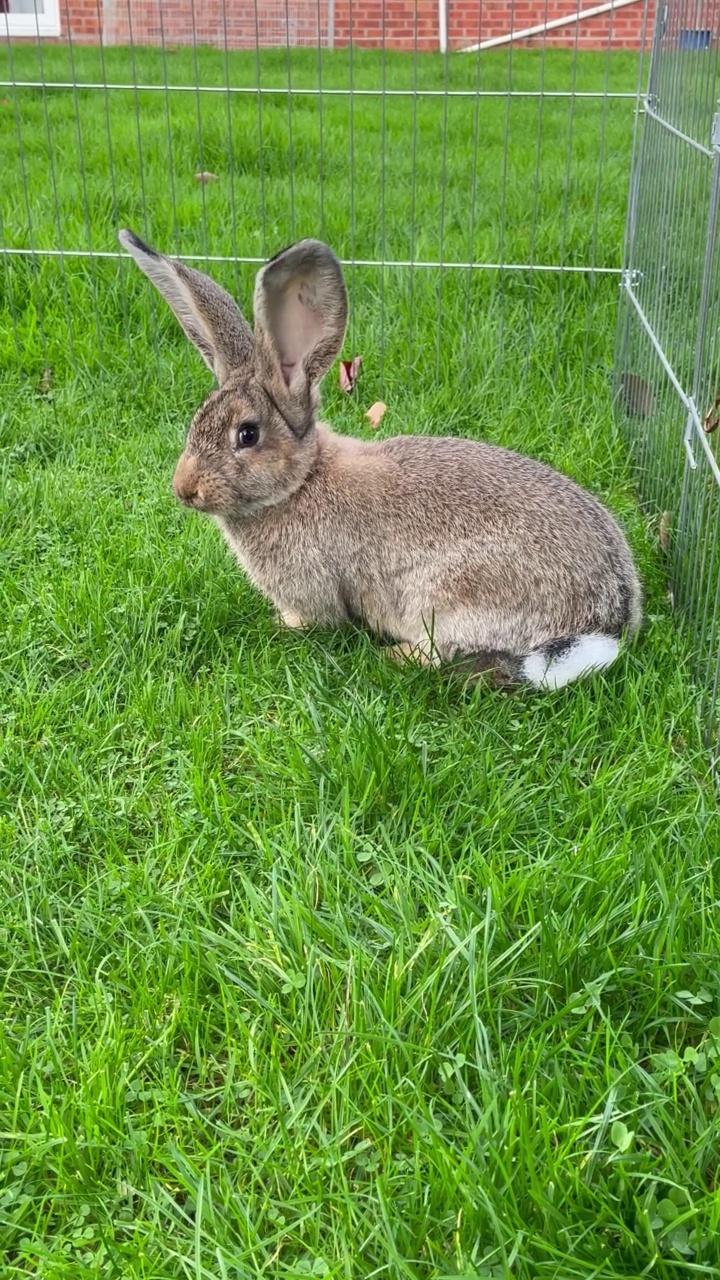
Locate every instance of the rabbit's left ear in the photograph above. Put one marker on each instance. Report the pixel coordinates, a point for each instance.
(209, 316)
(301, 312)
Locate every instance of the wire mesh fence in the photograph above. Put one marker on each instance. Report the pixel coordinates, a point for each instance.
(667, 372)
(478, 200)
(423, 172)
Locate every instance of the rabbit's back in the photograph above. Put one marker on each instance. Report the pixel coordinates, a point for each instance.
(468, 484)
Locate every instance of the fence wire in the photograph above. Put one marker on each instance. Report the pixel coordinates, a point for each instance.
(489, 188)
(667, 366)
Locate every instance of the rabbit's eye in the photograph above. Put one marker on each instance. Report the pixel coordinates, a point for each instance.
(248, 434)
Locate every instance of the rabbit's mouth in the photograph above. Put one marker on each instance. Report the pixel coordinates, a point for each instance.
(212, 504)
(194, 502)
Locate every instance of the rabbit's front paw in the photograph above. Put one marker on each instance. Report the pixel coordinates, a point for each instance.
(294, 621)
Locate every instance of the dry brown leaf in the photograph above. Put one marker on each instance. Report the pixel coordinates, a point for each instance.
(348, 373)
(375, 414)
(637, 396)
(206, 176)
(711, 421)
(664, 530)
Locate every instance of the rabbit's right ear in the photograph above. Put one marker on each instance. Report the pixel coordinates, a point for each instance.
(209, 316)
(301, 311)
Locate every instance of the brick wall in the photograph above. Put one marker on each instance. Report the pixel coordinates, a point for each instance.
(470, 21)
(81, 16)
(404, 24)
(213, 22)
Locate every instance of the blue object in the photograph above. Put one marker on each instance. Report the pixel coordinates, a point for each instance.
(697, 39)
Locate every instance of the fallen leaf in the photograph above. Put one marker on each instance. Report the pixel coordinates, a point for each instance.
(348, 373)
(711, 421)
(621, 1137)
(375, 414)
(45, 383)
(206, 176)
(664, 530)
(637, 395)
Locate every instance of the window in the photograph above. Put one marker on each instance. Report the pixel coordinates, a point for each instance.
(29, 18)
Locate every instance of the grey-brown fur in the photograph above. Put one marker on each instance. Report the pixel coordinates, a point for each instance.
(448, 546)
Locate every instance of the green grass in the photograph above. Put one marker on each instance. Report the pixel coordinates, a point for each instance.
(312, 966)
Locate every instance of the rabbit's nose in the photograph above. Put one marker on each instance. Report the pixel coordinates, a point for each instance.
(185, 480)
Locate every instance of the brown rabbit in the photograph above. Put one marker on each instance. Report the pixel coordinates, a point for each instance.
(455, 550)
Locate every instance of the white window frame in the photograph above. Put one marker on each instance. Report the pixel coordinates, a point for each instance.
(32, 24)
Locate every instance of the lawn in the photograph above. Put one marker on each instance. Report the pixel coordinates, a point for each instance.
(311, 965)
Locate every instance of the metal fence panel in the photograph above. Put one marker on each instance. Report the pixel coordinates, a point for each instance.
(424, 172)
(667, 369)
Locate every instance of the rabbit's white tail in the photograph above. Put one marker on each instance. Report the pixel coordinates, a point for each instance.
(557, 663)
(551, 666)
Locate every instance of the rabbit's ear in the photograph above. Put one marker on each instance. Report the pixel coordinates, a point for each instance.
(301, 311)
(209, 316)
